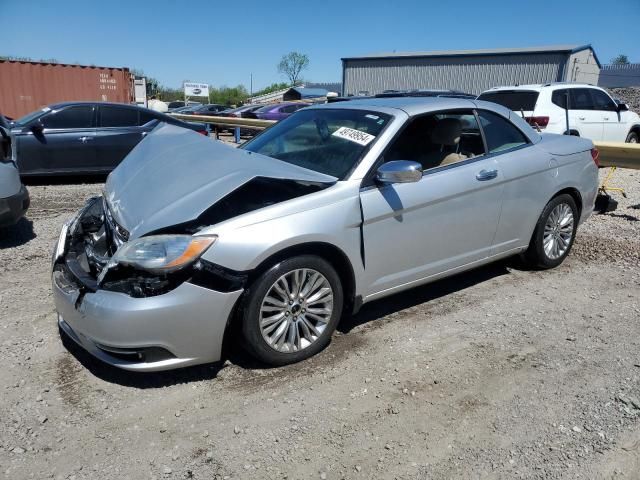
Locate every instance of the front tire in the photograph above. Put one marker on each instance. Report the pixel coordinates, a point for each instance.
(554, 233)
(290, 312)
(633, 137)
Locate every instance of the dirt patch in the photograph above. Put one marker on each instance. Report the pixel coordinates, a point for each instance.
(501, 372)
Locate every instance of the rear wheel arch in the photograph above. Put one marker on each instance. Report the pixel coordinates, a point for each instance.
(575, 194)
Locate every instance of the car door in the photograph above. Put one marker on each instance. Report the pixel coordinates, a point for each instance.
(582, 114)
(615, 129)
(448, 219)
(117, 134)
(65, 144)
(529, 175)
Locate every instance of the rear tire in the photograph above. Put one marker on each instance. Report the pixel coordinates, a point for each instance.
(290, 312)
(554, 234)
(633, 137)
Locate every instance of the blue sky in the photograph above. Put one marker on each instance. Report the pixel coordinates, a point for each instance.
(223, 43)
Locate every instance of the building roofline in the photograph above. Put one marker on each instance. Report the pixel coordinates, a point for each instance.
(479, 52)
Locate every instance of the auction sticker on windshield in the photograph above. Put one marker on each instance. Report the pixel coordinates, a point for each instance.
(353, 135)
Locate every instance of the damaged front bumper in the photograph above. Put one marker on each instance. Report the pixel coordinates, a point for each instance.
(180, 327)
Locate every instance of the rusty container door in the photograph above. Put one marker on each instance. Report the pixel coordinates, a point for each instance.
(29, 86)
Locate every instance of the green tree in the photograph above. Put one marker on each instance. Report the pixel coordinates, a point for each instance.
(620, 60)
(228, 95)
(292, 64)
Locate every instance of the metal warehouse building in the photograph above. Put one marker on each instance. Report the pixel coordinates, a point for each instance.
(471, 71)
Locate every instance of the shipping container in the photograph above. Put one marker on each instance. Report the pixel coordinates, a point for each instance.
(29, 86)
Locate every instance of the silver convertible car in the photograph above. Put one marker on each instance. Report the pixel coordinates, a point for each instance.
(336, 206)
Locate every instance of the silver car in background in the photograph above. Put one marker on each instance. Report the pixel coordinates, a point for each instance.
(336, 206)
(14, 196)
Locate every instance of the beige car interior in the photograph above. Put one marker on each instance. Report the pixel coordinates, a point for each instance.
(437, 140)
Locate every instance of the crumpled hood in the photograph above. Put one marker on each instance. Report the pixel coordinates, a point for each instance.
(175, 174)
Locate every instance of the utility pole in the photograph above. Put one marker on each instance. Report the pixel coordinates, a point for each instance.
(251, 86)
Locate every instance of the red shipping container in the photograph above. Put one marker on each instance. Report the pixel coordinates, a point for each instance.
(29, 86)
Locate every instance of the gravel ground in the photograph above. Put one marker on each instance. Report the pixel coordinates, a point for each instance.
(630, 95)
(499, 373)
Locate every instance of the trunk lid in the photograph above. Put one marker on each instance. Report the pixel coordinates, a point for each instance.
(561, 145)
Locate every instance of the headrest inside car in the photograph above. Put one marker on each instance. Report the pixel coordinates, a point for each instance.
(447, 132)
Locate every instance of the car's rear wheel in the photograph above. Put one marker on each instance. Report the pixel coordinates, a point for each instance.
(554, 233)
(633, 137)
(291, 310)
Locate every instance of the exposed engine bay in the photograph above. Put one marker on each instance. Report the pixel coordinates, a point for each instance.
(94, 237)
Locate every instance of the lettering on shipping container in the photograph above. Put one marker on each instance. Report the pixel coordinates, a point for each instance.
(106, 82)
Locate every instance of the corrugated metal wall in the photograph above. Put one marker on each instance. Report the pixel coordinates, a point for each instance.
(620, 75)
(472, 74)
(28, 86)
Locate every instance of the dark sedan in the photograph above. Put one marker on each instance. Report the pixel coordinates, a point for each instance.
(84, 137)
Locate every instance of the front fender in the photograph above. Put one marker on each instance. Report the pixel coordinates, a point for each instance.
(246, 247)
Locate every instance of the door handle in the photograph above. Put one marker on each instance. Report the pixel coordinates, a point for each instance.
(85, 139)
(606, 118)
(486, 175)
(580, 118)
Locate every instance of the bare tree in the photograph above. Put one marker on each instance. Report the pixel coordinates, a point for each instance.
(292, 64)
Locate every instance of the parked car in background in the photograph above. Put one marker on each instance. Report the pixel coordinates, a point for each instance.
(592, 112)
(333, 207)
(245, 111)
(179, 104)
(408, 93)
(84, 137)
(277, 111)
(14, 196)
(211, 109)
(240, 112)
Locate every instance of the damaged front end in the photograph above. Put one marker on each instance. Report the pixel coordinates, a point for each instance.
(95, 253)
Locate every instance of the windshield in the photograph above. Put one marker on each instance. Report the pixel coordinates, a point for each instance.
(29, 117)
(327, 141)
(512, 99)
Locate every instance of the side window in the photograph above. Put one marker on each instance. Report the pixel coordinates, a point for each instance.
(287, 109)
(602, 101)
(501, 135)
(580, 99)
(559, 98)
(438, 139)
(118, 117)
(146, 117)
(71, 117)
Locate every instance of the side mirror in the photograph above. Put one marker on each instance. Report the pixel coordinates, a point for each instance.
(622, 107)
(36, 127)
(399, 171)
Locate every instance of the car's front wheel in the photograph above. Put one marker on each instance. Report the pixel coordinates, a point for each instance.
(291, 310)
(633, 137)
(554, 233)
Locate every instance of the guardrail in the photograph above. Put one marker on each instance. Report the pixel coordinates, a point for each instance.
(253, 123)
(620, 155)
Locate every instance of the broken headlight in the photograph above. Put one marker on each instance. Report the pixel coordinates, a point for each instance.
(162, 253)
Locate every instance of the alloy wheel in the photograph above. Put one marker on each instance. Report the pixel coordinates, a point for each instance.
(296, 310)
(558, 231)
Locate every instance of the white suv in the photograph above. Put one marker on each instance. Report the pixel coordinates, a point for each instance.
(592, 112)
